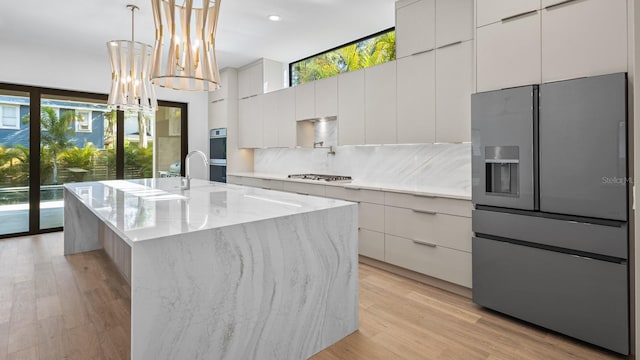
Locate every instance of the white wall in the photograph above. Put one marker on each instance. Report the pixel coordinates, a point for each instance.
(74, 70)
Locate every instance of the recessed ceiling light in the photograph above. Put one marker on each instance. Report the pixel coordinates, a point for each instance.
(274, 17)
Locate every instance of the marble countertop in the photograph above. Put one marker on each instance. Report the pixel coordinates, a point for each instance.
(146, 209)
(367, 185)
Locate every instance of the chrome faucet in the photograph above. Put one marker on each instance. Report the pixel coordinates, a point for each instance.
(185, 183)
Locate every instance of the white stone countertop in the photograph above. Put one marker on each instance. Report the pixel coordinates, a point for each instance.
(358, 184)
(145, 209)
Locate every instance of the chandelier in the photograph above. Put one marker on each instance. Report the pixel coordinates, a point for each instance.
(131, 88)
(184, 52)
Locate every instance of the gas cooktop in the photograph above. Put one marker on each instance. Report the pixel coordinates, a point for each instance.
(320, 177)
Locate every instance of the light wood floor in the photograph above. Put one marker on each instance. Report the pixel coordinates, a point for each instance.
(78, 307)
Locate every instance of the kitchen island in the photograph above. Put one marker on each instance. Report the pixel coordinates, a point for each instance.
(222, 271)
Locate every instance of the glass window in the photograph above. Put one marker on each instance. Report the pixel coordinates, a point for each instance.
(10, 115)
(372, 50)
(83, 121)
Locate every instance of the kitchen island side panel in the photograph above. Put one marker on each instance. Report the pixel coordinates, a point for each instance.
(281, 288)
(81, 226)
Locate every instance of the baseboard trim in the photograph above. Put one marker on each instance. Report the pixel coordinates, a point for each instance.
(425, 279)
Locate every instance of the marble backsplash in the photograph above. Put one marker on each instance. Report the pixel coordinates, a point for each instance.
(442, 168)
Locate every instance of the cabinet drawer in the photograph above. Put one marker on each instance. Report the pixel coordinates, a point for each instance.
(371, 216)
(584, 38)
(305, 189)
(429, 203)
(433, 228)
(354, 194)
(237, 180)
(371, 244)
(440, 262)
(508, 53)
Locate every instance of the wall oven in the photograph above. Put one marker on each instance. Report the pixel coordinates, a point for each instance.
(218, 155)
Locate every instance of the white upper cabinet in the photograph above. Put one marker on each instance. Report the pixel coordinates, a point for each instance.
(327, 97)
(250, 133)
(270, 119)
(583, 38)
(508, 53)
(306, 101)
(351, 108)
(380, 104)
(491, 11)
(415, 27)
(286, 119)
(250, 80)
(260, 77)
(454, 21)
(454, 85)
(416, 98)
(218, 114)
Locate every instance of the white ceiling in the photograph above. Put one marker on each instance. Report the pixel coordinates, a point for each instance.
(244, 34)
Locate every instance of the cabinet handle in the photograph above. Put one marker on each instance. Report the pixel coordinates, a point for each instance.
(451, 44)
(419, 242)
(425, 212)
(422, 52)
(513, 17)
(425, 196)
(558, 4)
(354, 188)
(301, 193)
(217, 101)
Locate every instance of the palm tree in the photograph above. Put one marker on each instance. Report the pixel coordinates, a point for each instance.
(56, 133)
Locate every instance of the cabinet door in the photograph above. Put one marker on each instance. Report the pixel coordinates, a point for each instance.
(327, 97)
(270, 119)
(218, 114)
(351, 108)
(306, 101)
(584, 38)
(286, 118)
(508, 53)
(380, 104)
(454, 85)
(250, 122)
(416, 98)
(490, 11)
(250, 81)
(415, 27)
(454, 21)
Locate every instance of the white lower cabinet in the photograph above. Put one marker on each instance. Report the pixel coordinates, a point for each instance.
(304, 189)
(355, 194)
(426, 234)
(371, 216)
(429, 227)
(371, 244)
(436, 261)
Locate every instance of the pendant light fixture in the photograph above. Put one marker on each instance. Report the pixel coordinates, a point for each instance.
(184, 52)
(131, 87)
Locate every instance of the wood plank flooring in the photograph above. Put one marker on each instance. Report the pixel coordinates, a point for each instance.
(78, 307)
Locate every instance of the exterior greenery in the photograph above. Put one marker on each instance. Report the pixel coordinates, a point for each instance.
(358, 55)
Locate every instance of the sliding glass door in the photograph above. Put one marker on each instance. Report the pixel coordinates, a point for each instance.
(77, 143)
(76, 139)
(14, 161)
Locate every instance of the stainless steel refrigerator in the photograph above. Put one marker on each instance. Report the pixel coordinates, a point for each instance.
(550, 190)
